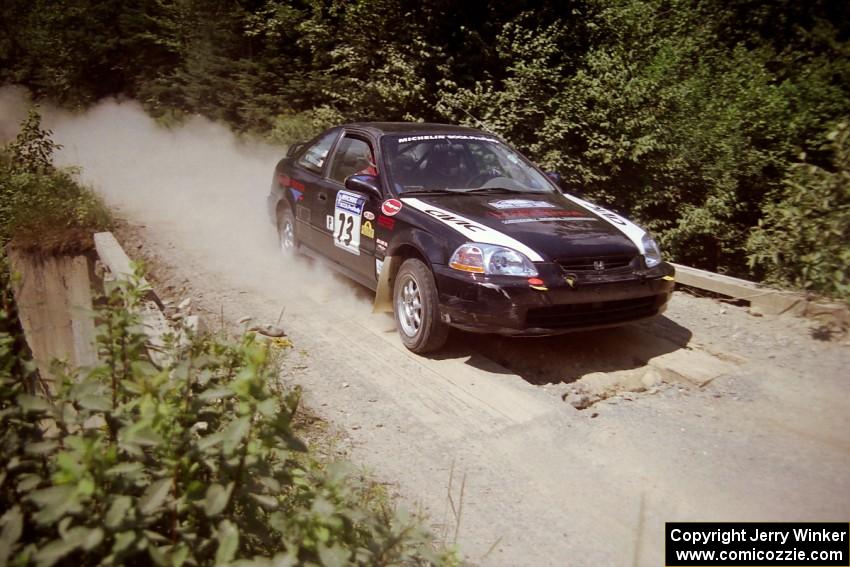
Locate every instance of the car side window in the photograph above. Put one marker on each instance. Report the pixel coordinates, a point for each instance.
(314, 157)
(353, 156)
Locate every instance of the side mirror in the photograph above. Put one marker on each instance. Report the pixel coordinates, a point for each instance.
(368, 184)
(555, 177)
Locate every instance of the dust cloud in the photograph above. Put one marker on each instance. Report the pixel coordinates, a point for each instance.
(198, 187)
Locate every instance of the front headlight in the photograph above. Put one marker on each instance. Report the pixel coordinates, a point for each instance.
(492, 260)
(652, 253)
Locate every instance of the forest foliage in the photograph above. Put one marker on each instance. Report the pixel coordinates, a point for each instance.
(701, 119)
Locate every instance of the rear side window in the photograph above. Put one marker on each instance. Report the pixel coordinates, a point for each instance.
(353, 156)
(314, 157)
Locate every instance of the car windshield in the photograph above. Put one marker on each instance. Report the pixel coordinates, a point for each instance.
(459, 163)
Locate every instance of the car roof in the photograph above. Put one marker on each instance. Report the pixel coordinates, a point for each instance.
(381, 128)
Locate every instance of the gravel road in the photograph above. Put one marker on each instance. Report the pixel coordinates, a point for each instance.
(707, 413)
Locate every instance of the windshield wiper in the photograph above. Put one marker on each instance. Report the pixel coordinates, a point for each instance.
(493, 190)
(423, 191)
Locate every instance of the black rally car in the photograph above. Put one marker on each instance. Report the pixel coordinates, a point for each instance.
(452, 227)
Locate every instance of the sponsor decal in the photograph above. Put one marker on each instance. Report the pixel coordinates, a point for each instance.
(518, 216)
(521, 204)
(629, 229)
(350, 202)
(391, 207)
(367, 230)
(329, 222)
(449, 218)
(474, 231)
(446, 137)
(296, 194)
(386, 222)
(348, 214)
(612, 217)
(296, 185)
(534, 213)
(368, 215)
(381, 245)
(379, 265)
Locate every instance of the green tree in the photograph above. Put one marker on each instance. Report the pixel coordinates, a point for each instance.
(657, 109)
(803, 237)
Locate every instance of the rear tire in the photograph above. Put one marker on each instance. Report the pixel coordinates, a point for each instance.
(286, 233)
(416, 308)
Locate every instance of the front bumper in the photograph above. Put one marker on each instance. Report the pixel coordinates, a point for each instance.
(510, 306)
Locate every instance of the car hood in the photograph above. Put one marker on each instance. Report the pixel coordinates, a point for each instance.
(552, 225)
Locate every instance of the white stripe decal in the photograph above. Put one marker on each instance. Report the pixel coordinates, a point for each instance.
(476, 232)
(632, 231)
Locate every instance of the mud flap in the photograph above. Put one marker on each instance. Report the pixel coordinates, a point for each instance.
(384, 293)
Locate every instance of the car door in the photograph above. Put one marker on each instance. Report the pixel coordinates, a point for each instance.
(350, 216)
(309, 189)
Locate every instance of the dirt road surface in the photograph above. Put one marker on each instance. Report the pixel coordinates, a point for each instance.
(706, 413)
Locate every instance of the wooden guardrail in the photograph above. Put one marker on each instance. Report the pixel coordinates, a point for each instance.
(766, 299)
(763, 299)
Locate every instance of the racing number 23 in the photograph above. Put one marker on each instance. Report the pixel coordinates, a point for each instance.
(346, 229)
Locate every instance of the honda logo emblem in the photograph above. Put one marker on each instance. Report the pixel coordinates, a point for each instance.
(598, 265)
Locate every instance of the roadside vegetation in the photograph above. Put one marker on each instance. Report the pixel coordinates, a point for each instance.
(699, 118)
(197, 462)
(193, 464)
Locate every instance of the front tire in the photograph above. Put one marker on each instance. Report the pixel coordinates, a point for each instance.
(286, 233)
(416, 308)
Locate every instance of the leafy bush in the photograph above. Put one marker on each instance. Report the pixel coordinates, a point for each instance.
(195, 463)
(803, 238)
(41, 206)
